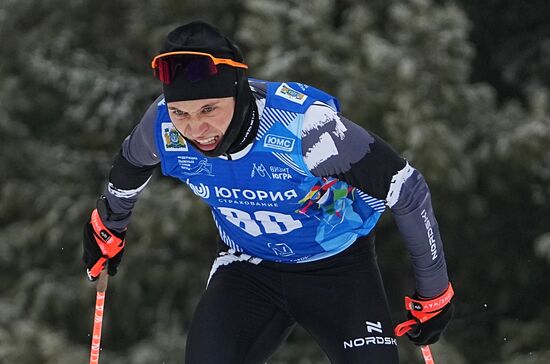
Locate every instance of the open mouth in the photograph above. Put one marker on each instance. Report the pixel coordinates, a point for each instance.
(207, 143)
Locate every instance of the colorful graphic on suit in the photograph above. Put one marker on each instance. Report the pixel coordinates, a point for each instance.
(335, 199)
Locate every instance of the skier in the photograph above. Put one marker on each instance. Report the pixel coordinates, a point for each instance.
(295, 190)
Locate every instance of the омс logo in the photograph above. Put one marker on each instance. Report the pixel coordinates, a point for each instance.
(279, 142)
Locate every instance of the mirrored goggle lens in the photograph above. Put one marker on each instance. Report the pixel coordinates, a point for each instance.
(194, 68)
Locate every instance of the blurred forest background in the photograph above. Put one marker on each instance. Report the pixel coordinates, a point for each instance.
(460, 88)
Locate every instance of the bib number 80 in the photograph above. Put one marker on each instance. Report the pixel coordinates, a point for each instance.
(264, 222)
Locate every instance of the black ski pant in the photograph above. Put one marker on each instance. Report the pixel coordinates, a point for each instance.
(249, 308)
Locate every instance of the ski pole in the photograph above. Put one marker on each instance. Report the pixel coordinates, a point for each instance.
(101, 287)
(427, 354)
(411, 325)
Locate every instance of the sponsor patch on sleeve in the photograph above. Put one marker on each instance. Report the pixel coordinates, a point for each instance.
(290, 94)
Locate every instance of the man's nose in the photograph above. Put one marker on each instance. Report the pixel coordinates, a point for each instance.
(196, 128)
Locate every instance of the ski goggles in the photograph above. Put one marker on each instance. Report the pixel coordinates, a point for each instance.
(195, 65)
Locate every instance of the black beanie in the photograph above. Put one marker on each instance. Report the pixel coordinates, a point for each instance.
(201, 37)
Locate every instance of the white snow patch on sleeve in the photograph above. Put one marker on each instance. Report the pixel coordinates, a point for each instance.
(320, 151)
(318, 115)
(397, 182)
(340, 129)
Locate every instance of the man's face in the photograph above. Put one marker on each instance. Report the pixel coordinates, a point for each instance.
(202, 121)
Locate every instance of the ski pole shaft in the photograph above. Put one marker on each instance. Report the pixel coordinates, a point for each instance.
(412, 326)
(427, 354)
(101, 287)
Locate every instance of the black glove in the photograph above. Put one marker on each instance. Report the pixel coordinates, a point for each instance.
(428, 332)
(101, 245)
(428, 317)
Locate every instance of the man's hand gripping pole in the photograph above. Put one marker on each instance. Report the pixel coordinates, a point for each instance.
(422, 310)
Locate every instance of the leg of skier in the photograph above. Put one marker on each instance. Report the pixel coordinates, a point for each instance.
(238, 320)
(345, 308)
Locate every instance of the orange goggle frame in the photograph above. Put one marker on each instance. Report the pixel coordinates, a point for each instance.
(197, 65)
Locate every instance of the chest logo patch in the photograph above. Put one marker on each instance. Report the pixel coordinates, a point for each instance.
(279, 142)
(173, 141)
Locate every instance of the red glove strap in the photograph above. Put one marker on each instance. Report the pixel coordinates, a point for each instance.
(423, 310)
(109, 244)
